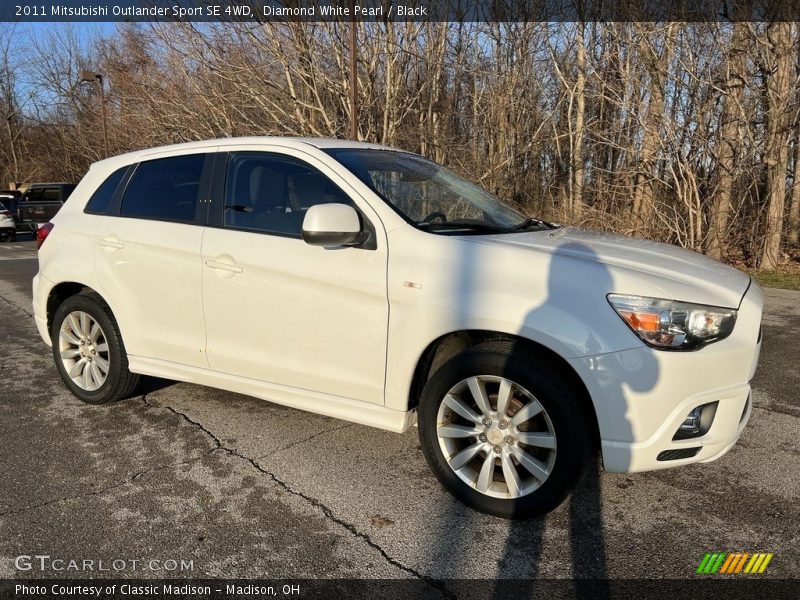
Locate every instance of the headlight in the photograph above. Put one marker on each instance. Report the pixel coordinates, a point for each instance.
(673, 325)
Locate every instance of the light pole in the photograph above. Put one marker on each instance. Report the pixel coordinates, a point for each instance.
(92, 77)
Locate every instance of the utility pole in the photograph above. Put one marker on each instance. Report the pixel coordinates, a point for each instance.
(353, 75)
(90, 77)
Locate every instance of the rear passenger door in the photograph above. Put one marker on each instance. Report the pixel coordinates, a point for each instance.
(147, 257)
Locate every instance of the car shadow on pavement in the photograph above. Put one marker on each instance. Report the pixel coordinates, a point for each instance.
(148, 385)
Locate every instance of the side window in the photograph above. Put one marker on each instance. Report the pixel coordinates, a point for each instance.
(271, 193)
(164, 189)
(33, 195)
(98, 203)
(51, 194)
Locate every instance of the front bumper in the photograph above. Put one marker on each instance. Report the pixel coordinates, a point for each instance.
(641, 396)
(733, 413)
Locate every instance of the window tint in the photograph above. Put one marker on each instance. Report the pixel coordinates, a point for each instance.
(272, 193)
(102, 196)
(164, 189)
(33, 195)
(51, 194)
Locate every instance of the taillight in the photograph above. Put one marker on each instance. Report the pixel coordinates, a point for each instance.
(42, 233)
(5, 213)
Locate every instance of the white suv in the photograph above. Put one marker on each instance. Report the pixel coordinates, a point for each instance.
(369, 284)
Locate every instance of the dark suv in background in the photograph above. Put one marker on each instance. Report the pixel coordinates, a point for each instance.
(40, 203)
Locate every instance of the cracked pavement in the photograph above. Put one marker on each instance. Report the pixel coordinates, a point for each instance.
(248, 489)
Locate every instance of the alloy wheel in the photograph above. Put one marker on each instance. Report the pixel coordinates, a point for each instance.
(84, 350)
(496, 436)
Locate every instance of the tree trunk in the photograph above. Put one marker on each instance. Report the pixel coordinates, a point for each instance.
(729, 142)
(658, 67)
(779, 86)
(580, 109)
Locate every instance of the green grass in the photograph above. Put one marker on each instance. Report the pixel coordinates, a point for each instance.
(785, 280)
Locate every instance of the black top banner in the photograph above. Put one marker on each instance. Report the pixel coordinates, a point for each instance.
(398, 10)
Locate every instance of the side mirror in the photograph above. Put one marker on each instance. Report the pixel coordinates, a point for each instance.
(332, 225)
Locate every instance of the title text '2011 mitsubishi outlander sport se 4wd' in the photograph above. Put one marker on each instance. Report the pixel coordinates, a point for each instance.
(369, 284)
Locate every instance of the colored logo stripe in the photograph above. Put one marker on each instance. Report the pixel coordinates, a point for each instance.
(734, 562)
(711, 562)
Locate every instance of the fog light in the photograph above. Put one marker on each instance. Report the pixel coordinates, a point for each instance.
(691, 424)
(697, 422)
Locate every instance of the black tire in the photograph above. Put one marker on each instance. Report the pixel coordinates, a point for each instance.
(120, 382)
(555, 390)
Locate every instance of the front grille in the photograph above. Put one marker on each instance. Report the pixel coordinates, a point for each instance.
(678, 454)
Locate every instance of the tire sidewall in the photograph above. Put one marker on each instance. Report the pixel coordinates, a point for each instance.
(559, 399)
(89, 305)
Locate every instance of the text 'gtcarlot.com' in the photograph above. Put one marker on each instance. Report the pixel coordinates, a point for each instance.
(45, 562)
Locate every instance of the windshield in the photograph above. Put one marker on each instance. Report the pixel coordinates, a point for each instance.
(429, 195)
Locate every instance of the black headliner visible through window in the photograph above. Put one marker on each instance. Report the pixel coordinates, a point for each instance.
(165, 189)
(98, 203)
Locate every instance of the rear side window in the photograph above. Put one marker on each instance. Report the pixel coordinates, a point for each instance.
(98, 203)
(165, 189)
(51, 194)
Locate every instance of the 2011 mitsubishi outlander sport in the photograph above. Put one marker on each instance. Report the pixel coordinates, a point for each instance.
(369, 284)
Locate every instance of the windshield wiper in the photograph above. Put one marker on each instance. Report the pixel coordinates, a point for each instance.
(469, 225)
(528, 223)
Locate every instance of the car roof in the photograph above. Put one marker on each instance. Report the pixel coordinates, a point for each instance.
(292, 142)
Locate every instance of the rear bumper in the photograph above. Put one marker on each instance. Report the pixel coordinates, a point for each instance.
(641, 396)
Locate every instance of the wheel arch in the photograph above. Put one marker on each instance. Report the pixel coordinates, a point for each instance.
(60, 292)
(450, 344)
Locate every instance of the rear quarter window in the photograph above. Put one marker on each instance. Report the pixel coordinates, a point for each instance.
(101, 199)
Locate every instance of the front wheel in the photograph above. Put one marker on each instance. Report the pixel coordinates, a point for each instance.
(505, 430)
(89, 352)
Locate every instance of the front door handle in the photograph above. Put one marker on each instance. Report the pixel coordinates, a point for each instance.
(221, 266)
(110, 242)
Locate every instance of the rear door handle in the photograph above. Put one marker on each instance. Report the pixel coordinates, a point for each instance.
(110, 243)
(221, 266)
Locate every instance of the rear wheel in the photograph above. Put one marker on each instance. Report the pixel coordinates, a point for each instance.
(505, 430)
(89, 352)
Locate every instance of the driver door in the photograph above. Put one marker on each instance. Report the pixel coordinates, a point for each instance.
(277, 309)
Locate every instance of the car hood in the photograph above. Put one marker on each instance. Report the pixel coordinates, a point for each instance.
(679, 274)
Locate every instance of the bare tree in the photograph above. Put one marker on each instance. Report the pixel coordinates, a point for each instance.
(778, 61)
(729, 143)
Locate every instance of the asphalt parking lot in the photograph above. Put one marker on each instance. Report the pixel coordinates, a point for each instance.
(244, 489)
